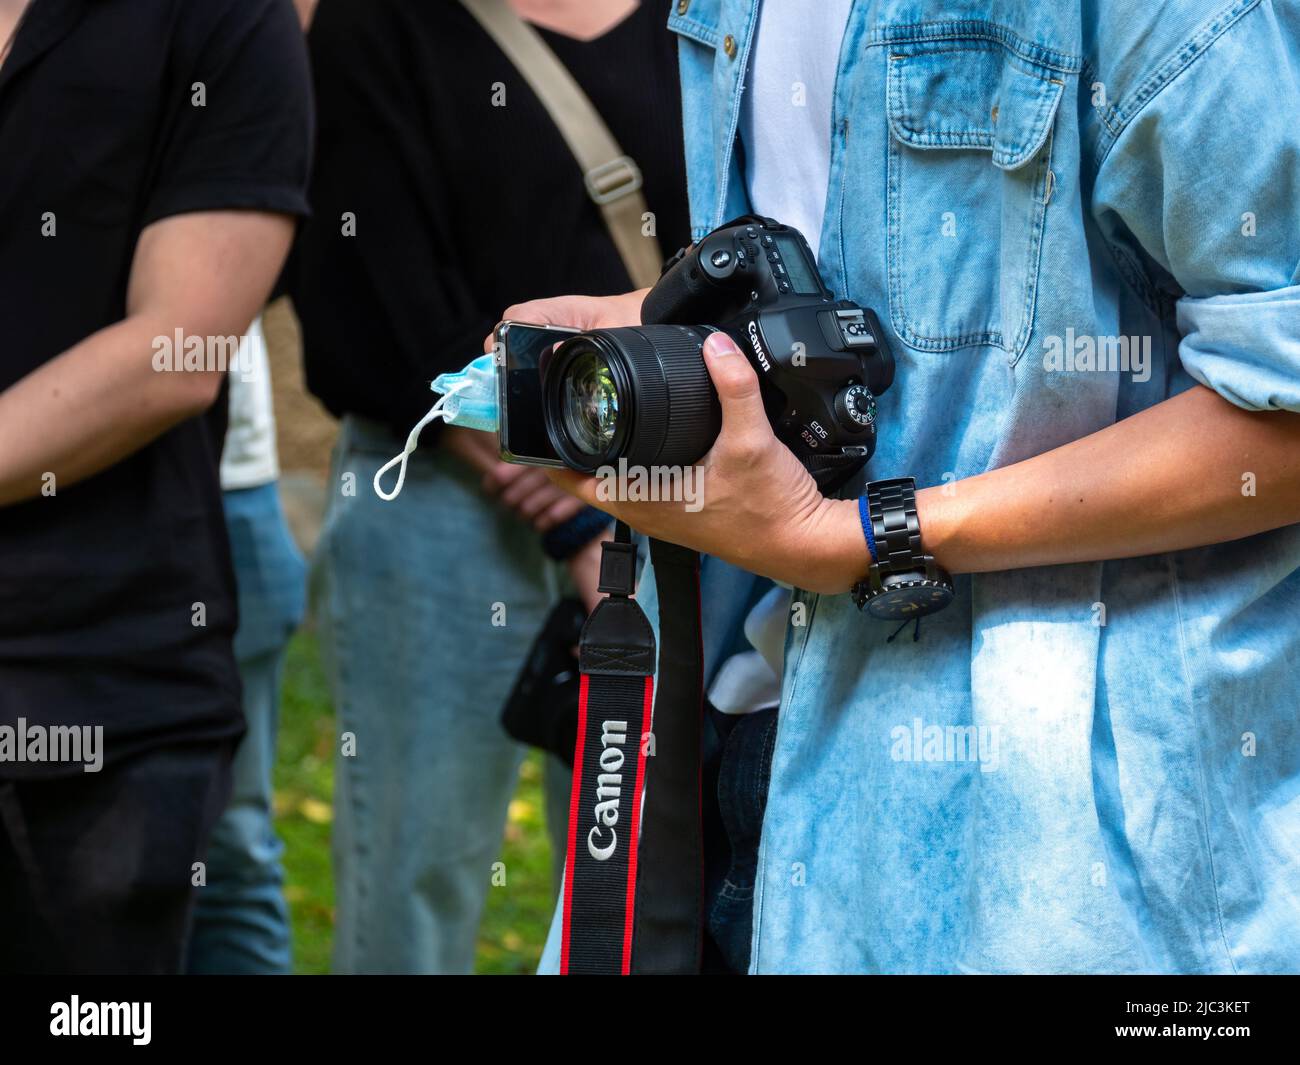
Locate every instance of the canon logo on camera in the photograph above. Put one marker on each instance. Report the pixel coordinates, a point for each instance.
(758, 347)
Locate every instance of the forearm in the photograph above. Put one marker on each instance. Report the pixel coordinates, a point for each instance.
(95, 404)
(204, 275)
(1190, 471)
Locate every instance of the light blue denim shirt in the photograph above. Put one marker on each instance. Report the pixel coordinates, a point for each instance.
(1086, 768)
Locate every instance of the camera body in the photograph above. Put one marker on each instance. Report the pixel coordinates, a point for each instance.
(643, 393)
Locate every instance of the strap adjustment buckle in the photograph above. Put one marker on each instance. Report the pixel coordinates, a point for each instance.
(613, 180)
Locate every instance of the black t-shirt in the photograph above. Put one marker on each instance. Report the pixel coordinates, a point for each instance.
(461, 207)
(103, 584)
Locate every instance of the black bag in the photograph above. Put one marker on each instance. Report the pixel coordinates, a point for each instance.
(542, 710)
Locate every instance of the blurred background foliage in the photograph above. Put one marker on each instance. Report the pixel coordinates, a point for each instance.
(518, 912)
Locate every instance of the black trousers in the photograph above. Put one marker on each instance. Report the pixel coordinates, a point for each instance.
(97, 870)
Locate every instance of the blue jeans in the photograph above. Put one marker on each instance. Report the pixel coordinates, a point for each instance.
(427, 608)
(737, 772)
(241, 923)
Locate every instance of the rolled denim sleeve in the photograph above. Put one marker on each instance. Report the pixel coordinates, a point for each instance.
(1198, 194)
(1246, 347)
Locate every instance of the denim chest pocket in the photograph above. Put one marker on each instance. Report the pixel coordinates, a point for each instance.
(969, 181)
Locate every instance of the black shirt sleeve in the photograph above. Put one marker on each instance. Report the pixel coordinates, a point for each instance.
(383, 297)
(238, 126)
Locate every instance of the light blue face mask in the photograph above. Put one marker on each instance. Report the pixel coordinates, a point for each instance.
(469, 400)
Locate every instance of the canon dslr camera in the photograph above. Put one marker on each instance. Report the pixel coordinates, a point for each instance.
(643, 393)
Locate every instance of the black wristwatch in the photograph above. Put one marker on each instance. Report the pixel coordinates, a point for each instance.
(904, 582)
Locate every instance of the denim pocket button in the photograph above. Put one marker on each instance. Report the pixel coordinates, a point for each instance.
(970, 127)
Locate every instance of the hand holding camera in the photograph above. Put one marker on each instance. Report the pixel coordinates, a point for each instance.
(641, 394)
(652, 380)
(762, 510)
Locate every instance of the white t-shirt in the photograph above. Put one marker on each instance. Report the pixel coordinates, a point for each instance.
(786, 132)
(249, 457)
(786, 110)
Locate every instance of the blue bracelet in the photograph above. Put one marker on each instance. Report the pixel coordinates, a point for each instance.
(865, 515)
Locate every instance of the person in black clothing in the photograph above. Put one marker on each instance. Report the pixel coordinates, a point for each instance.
(154, 153)
(435, 206)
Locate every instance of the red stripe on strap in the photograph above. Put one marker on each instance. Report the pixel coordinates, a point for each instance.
(574, 798)
(634, 831)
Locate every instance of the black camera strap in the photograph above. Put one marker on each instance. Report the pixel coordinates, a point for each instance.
(616, 658)
(633, 890)
(670, 885)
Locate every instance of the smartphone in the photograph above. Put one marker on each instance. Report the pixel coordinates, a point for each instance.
(522, 350)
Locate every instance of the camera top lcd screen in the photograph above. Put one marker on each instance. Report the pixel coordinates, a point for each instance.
(796, 265)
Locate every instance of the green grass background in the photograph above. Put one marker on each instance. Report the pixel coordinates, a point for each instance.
(518, 913)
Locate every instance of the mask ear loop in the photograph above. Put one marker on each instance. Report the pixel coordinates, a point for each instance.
(412, 442)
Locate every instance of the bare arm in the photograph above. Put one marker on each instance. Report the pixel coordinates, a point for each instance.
(207, 274)
(1177, 475)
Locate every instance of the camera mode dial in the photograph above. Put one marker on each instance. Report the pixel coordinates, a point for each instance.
(855, 407)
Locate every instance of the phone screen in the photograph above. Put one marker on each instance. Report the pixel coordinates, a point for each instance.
(523, 429)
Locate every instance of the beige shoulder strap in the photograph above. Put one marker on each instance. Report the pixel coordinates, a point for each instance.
(613, 180)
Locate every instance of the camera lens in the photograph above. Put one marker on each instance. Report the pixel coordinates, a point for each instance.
(589, 402)
(642, 394)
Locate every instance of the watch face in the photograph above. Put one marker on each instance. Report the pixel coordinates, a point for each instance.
(909, 599)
